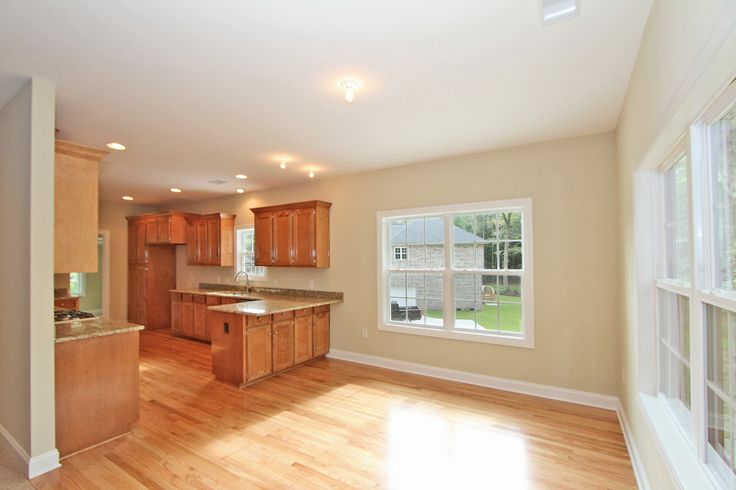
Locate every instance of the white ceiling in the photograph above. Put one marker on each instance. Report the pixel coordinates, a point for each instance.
(203, 90)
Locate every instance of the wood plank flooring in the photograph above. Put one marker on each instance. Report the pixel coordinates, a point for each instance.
(334, 424)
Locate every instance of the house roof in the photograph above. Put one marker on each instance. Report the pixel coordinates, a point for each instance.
(435, 232)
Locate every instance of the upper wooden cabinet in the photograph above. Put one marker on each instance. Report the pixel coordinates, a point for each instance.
(210, 240)
(76, 177)
(293, 235)
(167, 228)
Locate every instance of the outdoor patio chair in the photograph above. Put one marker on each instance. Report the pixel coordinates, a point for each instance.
(489, 295)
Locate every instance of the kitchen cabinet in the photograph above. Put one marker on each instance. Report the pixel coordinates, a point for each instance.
(283, 341)
(167, 229)
(303, 335)
(200, 317)
(321, 332)
(293, 235)
(258, 351)
(210, 240)
(187, 315)
(176, 313)
(151, 276)
(247, 348)
(70, 303)
(76, 192)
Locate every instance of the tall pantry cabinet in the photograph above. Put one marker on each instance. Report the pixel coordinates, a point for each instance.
(151, 274)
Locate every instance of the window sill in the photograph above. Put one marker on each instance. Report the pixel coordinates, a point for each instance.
(682, 461)
(484, 338)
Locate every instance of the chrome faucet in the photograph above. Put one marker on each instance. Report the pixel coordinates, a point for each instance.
(247, 280)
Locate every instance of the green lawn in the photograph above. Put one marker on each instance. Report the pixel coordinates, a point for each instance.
(488, 317)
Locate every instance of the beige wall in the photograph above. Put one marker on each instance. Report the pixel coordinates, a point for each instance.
(680, 67)
(26, 259)
(573, 187)
(112, 219)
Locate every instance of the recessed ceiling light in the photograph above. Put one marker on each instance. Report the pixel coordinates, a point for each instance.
(241, 176)
(127, 198)
(282, 161)
(175, 189)
(349, 86)
(311, 173)
(239, 190)
(116, 146)
(557, 10)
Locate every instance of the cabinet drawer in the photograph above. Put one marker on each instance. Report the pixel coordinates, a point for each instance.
(199, 298)
(286, 315)
(175, 297)
(321, 309)
(303, 312)
(186, 298)
(213, 300)
(254, 320)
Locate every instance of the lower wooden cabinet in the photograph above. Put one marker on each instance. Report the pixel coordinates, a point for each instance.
(247, 348)
(199, 324)
(321, 343)
(303, 335)
(189, 314)
(176, 313)
(258, 351)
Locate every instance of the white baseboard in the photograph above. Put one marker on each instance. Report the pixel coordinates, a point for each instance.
(545, 391)
(636, 463)
(37, 465)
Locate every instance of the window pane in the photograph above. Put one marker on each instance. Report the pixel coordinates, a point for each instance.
(413, 294)
(509, 255)
(488, 303)
(673, 324)
(487, 241)
(720, 432)
(434, 298)
(723, 160)
(417, 243)
(464, 240)
(509, 226)
(677, 231)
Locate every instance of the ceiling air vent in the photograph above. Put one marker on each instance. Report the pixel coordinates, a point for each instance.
(557, 10)
(218, 182)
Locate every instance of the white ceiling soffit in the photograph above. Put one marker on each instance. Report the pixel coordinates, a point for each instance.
(200, 91)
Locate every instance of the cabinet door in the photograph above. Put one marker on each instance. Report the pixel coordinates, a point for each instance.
(264, 239)
(200, 318)
(140, 296)
(282, 238)
(201, 242)
(302, 338)
(283, 345)
(151, 231)
(163, 229)
(258, 351)
(140, 243)
(213, 241)
(187, 316)
(132, 243)
(321, 333)
(303, 239)
(176, 313)
(191, 245)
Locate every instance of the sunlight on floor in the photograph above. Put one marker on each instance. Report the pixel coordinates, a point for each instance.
(429, 451)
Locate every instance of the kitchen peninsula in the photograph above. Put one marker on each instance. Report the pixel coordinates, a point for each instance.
(96, 381)
(257, 333)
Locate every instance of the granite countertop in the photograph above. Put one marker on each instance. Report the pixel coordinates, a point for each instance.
(265, 303)
(87, 329)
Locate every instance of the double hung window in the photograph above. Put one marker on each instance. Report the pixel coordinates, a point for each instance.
(460, 271)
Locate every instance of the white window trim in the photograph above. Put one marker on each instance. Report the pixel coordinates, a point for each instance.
(384, 253)
(82, 286)
(251, 277)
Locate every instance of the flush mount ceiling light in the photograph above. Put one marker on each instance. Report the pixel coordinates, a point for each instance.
(557, 10)
(239, 190)
(282, 161)
(116, 146)
(175, 190)
(127, 198)
(241, 176)
(349, 86)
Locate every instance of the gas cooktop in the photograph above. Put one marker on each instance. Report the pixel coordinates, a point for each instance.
(67, 315)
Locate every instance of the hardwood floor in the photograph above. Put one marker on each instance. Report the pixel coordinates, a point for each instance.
(334, 424)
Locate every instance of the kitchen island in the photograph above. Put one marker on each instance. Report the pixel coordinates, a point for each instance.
(96, 382)
(262, 332)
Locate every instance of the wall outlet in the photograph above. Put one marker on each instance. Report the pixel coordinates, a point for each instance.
(311, 284)
(364, 333)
